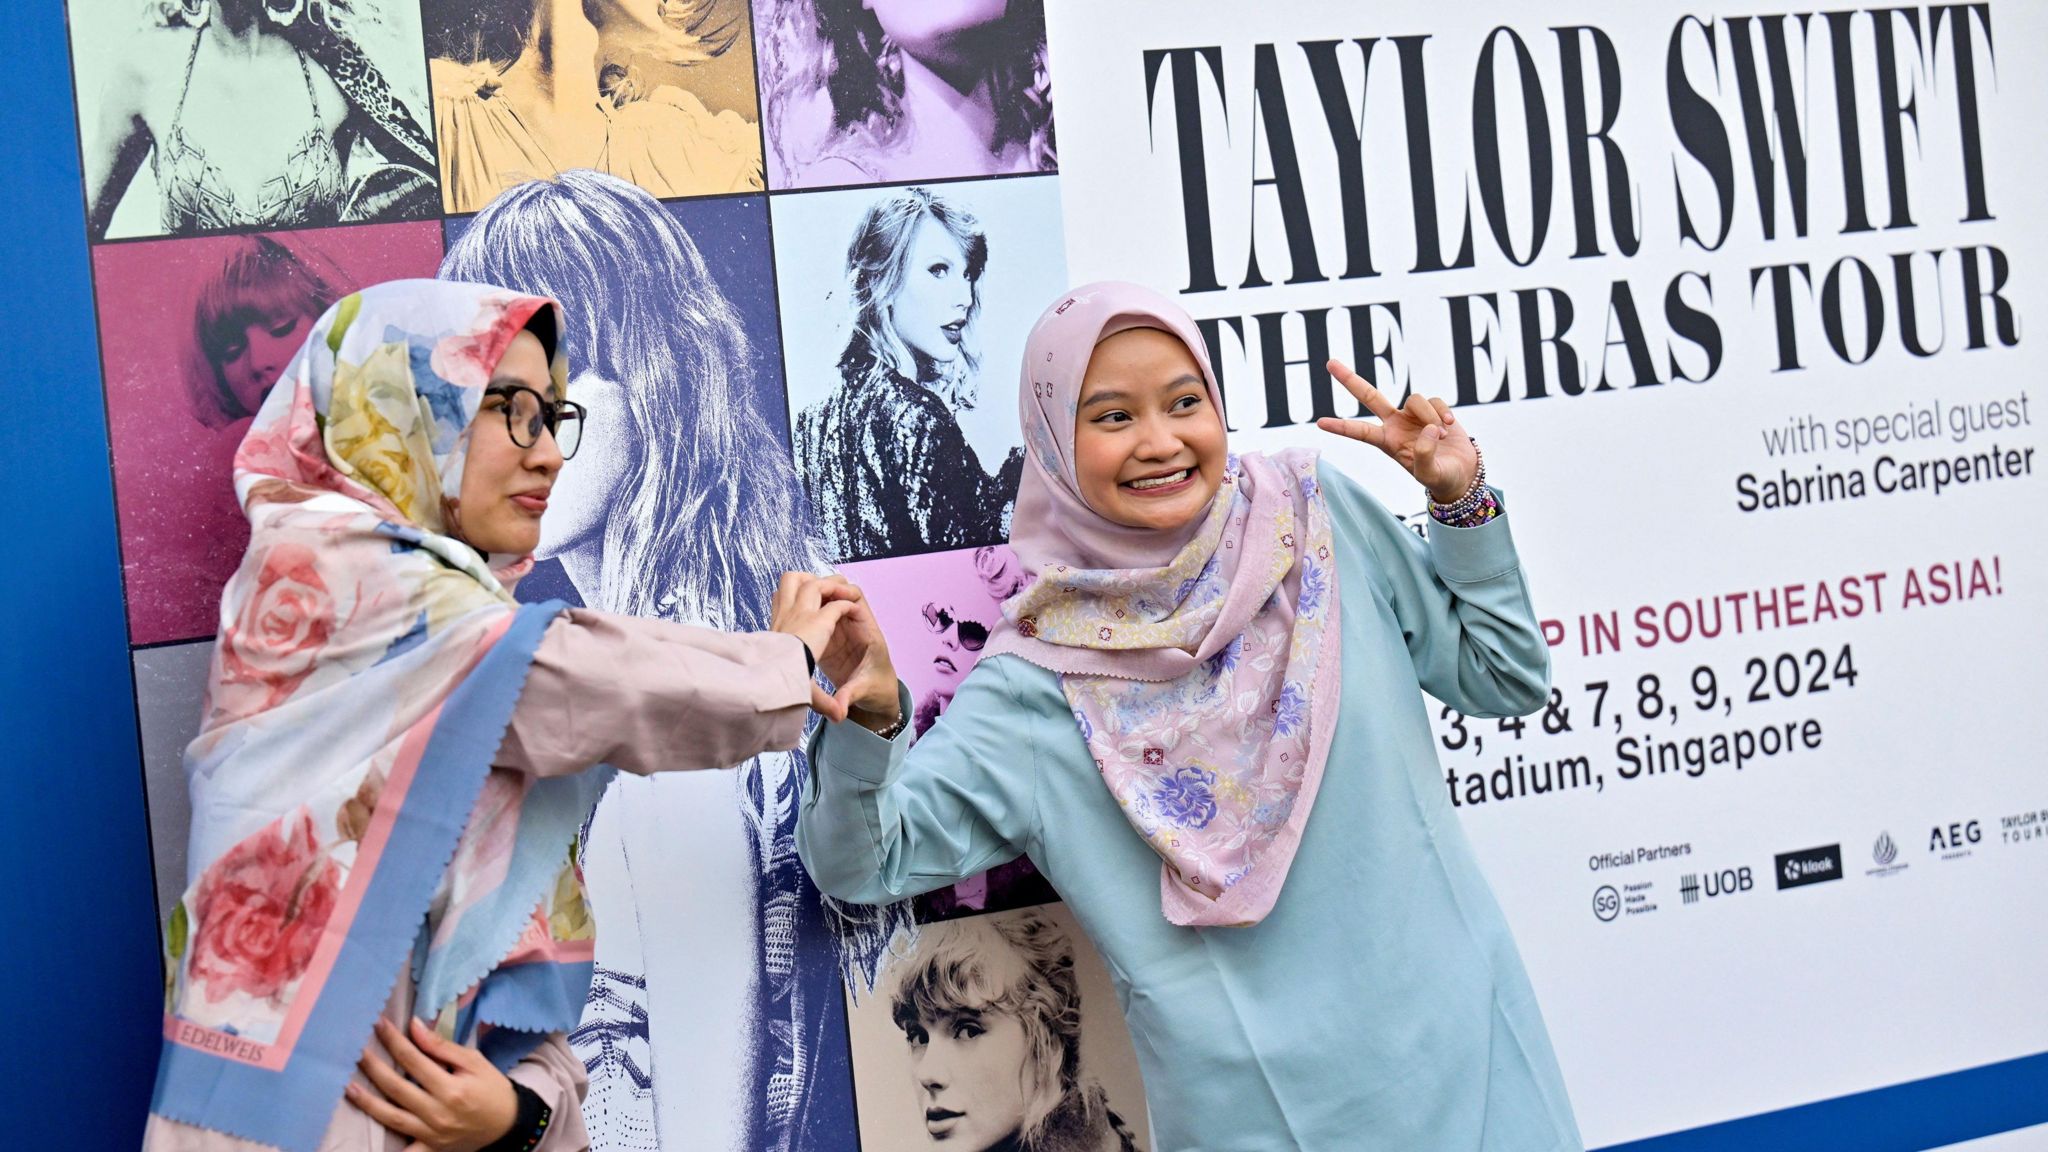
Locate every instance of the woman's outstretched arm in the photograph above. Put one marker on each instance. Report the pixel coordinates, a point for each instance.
(652, 696)
(881, 820)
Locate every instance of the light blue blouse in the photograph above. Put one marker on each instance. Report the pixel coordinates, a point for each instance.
(1381, 1004)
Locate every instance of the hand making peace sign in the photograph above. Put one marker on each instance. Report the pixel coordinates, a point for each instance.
(1423, 436)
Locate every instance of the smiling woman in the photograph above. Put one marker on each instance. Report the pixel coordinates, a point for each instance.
(1204, 722)
(1149, 448)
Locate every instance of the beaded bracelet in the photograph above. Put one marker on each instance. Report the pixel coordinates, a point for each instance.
(1475, 507)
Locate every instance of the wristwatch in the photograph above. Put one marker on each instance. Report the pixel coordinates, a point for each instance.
(529, 1124)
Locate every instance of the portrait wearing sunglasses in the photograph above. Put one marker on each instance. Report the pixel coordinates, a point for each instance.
(972, 634)
(955, 641)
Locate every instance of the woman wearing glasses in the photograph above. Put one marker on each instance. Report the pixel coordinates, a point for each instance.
(396, 757)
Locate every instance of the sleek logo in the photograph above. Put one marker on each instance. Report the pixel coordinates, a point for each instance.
(1809, 866)
(1689, 887)
(1954, 841)
(2024, 827)
(1606, 903)
(1885, 854)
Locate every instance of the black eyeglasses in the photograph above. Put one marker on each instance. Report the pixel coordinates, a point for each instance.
(973, 633)
(528, 412)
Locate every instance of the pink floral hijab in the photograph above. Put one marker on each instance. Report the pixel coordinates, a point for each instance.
(1202, 666)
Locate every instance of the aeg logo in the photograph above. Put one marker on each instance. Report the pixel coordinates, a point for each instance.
(1954, 841)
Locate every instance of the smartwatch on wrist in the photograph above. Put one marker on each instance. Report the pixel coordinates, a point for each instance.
(529, 1123)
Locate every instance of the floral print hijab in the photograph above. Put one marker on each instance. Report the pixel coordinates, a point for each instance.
(1202, 666)
(347, 827)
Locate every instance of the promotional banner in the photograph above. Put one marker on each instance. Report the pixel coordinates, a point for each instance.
(1734, 301)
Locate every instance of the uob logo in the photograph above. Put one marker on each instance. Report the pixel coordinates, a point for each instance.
(1726, 882)
(1729, 881)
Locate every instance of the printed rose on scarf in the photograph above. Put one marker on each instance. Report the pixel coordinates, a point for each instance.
(261, 909)
(375, 427)
(287, 443)
(1186, 798)
(467, 359)
(270, 648)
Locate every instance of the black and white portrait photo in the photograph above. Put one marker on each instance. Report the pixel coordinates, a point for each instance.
(904, 311)
(656, 92)
(716, 1021)
(890, 91)
(213, 115)
(997, 1033)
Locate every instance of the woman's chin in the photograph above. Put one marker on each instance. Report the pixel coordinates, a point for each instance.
(940, 355)
(1159, 515)
(518, 544)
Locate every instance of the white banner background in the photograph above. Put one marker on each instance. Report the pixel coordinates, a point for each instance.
(1762, 998)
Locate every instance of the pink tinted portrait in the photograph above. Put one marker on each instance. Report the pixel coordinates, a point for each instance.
(938, 611)
(193, 334)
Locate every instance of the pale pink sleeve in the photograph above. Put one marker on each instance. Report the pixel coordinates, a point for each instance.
(651, 696)
(554, 1074)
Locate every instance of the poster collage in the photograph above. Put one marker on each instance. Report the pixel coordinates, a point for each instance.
(799, 244)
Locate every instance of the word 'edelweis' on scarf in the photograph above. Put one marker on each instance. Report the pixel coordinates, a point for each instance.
(345, 817)
(1202, 665)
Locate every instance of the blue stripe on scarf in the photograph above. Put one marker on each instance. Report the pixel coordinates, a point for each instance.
(530, 1001)
(291, 1109)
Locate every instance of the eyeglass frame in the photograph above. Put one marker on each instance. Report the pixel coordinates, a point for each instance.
(550, 416)
(940, 619)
